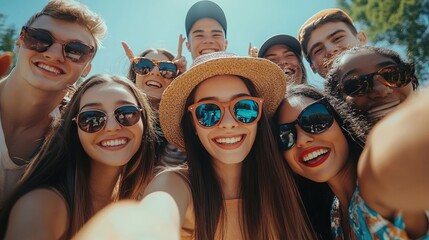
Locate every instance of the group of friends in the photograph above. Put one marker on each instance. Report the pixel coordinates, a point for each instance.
(235, 147)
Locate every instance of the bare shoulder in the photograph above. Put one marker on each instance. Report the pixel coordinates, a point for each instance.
(39, 209)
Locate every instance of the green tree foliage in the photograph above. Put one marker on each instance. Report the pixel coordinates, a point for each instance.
(400, 22)
(7, 35)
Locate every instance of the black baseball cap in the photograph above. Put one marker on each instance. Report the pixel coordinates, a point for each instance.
(291, 42)
(204, 9)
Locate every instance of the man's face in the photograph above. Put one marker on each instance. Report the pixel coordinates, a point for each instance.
(327, 40)
(50, 70)
(206, 36)
(286, 59)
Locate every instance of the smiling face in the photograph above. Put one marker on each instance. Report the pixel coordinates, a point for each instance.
(318, 157)
(286, 59)
(206, 36)
(114, 145)
(50, 70)
(327, 40)
(229, 142)
(382, 99)
(153, 84)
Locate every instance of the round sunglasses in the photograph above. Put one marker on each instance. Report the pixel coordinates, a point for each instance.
(92, 121)
(40, 40)
(314, 119)
(391, 76)
(245, 110)
(143, 66)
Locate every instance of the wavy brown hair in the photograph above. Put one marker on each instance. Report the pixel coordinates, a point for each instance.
(63, 164)
(271, 206)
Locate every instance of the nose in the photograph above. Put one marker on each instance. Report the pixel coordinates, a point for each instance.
(155, 71)
(379, 89)
(112, 124)
(332, 50)
(55, 53)
(228, 121)
(303, 138)
(208, 39)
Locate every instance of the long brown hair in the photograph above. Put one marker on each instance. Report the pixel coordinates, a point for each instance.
(63, 164)
(271, 206)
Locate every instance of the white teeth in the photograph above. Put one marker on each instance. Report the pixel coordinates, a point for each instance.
(207, 51)
(48, 68)
(153, 84)
(314, 154)
(112, 143)
(228, 140)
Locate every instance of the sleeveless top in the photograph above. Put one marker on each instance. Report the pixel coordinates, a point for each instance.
(367, 223)
(232, 217)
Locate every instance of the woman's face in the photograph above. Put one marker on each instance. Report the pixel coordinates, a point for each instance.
(114, 144)
(318, 157)
(228, 142)
(382, 99)
(153, 84)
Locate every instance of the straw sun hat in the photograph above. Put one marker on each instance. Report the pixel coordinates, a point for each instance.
(268, 78)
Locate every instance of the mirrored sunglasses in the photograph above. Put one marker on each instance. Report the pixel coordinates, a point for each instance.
(314, 119)
(245, 110)
(41, 40)
(92, 121)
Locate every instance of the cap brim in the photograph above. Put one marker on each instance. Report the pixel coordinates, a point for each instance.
(291, 42)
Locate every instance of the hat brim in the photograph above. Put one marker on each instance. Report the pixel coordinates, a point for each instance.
(268, 79)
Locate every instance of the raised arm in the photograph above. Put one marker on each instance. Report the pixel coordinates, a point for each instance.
(158, 216)
(394, 167)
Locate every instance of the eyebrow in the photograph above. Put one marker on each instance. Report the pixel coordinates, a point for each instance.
(329, 36)
(379, 65)
(212, 30)
(217, 99)
(97, 104)
(273, 54)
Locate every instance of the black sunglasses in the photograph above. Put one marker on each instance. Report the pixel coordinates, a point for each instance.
(391, 76)
(143, 66)
(314, 119)
(40, 40)
(92, 121)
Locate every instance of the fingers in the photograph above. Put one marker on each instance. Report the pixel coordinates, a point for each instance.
(128, 51)
(252, 51)
(180, 47)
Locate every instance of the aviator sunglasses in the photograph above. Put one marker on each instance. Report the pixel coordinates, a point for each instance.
(245, 110)
(92, 121)
(143, 66)
(40, 40)
(314, 119)
(392, 76)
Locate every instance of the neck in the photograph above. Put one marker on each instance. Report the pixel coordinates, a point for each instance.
(343, 185)
(229, 178)
(30, 105)
(103, 180)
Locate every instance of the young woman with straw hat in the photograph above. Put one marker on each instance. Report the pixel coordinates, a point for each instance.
(236, 185)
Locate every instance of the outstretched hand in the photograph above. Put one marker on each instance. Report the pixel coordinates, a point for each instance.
(6, 59)
(180, 60)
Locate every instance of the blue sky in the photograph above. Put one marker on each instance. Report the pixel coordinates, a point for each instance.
(157, 24)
